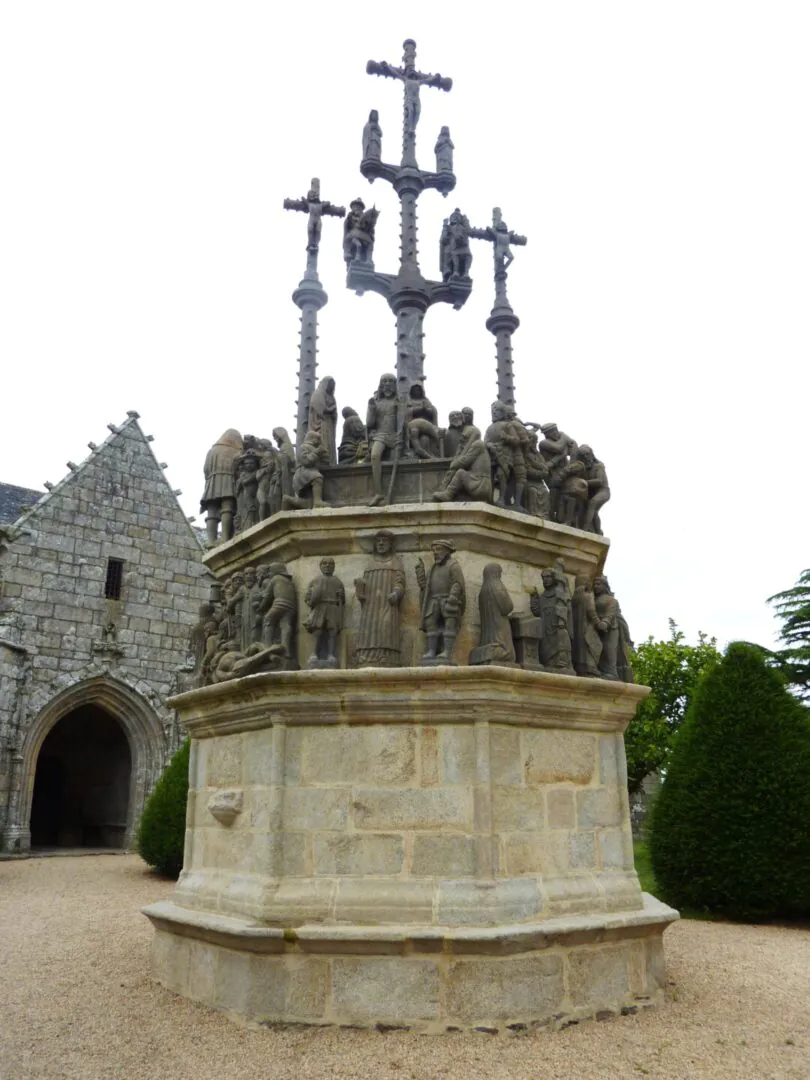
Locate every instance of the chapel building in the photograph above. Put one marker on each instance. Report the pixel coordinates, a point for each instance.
(101, 583)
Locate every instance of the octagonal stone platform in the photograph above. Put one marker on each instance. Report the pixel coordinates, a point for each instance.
(431, 848)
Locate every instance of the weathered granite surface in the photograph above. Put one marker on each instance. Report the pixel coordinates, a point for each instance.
(63, 645)
(471, 811)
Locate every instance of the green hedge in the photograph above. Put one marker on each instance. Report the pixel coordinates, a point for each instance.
(730, 830)
(161, 835)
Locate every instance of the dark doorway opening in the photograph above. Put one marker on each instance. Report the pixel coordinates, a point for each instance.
(81, 787)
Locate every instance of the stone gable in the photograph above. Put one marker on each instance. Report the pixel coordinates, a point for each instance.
(57, 627)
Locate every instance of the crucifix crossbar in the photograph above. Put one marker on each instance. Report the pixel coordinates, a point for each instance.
(313, 205)
(502, 321)
(412, 82)
(501, 238)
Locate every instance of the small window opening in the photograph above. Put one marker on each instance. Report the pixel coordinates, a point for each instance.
(115, 574)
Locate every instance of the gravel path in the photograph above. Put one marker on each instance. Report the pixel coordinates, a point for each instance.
(77, 1000)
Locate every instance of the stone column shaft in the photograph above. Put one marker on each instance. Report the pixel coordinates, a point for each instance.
(310, 298)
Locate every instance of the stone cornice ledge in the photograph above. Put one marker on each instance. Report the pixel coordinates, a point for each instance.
(440, 695)
(348, 939)
(472, 526)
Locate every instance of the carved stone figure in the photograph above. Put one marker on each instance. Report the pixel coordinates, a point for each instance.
(230, 663)
(323, 416)
(278, 607)
(312, 457)
(268, 491)
(537, 474)
(451, 435)
(286, 459)
(235, 596)
(519, 447)
(326, 599)
(587, 642)
(468, 417)
(553, 606)
(420, 423)
(494, 607)
(380, 591)
(616, 642)
(556, 447)
(444, 151)
(470, 472)
(455, 257)
(358, 233)
(213, 642)
(218, 501)
(503, 252)
(372, 137)
(383, 426)
(246, 486)
(443, 599)
(501, 441)
(598, 489)
(248, 634)
(354, 441)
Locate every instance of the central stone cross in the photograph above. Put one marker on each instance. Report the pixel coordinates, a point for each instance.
(408, 293)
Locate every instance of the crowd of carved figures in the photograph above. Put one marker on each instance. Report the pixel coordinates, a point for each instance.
(250, 625)
(517, 464)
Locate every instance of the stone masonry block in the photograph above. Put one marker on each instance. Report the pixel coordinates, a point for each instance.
(562, 811)
(296, 854)
(598, 976)
(608, 760)
(613, 854)
(391, 989)
(525, 854)
(598, 807)
(553, 757)
(315, 808)
(258, 767)
(505, 762)
(484, 991)
(422, 809)
(582, 848)
(338, 853)
(349, 754)
(224, 761)
(458, 754)
(288, 987)
(517, 809)
(429, 756)
(443, 856)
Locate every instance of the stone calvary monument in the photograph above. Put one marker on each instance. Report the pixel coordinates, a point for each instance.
(408, 800)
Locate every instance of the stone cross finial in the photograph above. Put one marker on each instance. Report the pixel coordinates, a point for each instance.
(500, 237)
(412, 82)
(313, 205)
(310, 298)
(502, 321)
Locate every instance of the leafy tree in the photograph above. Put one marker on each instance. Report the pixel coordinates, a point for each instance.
(162, 831)
(728, 832)
(672, 668)
(793, 608)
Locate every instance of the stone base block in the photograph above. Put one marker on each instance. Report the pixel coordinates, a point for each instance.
(428, 979)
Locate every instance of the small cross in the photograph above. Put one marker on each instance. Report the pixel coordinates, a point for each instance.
(500, 237)
(412, 81)
(313, 206)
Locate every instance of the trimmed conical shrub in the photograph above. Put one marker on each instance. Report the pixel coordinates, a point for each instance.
(730, 830)
(162, 832)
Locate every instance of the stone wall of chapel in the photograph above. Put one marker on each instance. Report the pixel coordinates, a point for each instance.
(53, 610)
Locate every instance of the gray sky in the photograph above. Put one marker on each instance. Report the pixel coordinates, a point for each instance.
(655, 155)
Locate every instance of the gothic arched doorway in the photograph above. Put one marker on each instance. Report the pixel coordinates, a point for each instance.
(82, 782)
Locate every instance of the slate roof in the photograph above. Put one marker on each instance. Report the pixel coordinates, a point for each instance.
(14, 500)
